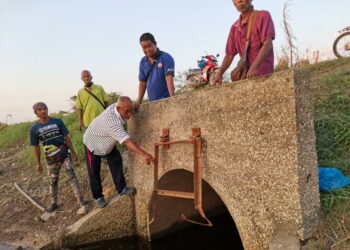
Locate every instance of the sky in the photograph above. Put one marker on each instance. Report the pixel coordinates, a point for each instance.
(45, 44)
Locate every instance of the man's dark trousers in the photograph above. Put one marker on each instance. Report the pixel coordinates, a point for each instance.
(115, 163)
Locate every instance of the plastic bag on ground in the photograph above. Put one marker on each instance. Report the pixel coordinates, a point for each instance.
(331, 178)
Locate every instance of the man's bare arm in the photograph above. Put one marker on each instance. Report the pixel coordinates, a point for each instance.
(170, 84)
(80, 115)
(37, 154)
(142, 90)
(263, 53)
(136, 149)
(70, 146)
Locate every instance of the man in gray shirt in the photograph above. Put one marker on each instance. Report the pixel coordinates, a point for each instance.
(100, 141)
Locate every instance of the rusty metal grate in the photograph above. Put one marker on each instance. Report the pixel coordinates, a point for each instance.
(196, 140)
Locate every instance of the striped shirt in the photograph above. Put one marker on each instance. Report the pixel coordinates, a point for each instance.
(103, 133)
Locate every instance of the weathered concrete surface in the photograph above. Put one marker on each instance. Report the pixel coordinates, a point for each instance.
(111, 222)
(259, 153)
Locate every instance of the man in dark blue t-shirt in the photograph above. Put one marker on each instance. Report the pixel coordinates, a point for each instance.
(156, 71)
(53, 135)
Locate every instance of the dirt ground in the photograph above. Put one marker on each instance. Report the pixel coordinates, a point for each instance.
(20, 222)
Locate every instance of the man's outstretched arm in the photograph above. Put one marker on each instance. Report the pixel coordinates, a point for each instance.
(136, 149)
(142, 91)
(263, 53)
(170, 84)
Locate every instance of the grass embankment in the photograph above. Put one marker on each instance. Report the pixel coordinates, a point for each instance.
(331, 97)
(19, 134)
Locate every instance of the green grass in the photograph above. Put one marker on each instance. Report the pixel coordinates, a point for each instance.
(11, 135)
(331, 96)
(332, 125)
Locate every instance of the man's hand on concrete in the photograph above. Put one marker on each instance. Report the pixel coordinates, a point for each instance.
(252, 72)
(136, 106)
(218, 79)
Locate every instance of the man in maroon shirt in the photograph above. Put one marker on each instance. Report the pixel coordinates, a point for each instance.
(260, 54)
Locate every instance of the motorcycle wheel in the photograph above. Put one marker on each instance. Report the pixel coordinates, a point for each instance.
(212, 77)
(341, 45)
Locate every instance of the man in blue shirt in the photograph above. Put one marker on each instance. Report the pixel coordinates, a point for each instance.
(156, 71)
(53, 135)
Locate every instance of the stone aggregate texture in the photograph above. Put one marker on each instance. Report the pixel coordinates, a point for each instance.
(114, 221)
(259, 153)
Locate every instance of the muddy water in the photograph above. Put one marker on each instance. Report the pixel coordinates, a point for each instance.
(222, 236)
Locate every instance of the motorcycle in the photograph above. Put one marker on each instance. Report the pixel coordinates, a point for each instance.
(341, 45)
(205, 74)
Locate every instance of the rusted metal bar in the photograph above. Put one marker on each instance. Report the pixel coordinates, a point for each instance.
(196, 132)
(156, 157)
(197, 178)
(178, 194)
(198, 172)
(196, 140)
(196, 188)
(201, 212)
(165, 137)
(174, 142)
(152, 208)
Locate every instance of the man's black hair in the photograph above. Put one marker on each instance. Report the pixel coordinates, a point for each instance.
(148, 37)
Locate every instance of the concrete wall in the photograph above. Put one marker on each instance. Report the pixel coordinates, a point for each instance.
(259, 154)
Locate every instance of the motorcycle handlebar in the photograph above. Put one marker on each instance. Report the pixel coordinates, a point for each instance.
(211, 56)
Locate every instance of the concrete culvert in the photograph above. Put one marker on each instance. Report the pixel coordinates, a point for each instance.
(170, 230)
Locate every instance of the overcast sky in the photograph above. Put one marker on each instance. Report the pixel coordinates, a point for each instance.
(44, 44)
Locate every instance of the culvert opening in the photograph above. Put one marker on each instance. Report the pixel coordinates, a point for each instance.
(170, 231)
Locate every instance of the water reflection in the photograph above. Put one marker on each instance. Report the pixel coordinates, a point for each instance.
(222, 236)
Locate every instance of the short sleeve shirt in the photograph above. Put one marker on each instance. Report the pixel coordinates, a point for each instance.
(105, 131)
(156, 84)
(263, 29)
(90, 106)
(49, 134)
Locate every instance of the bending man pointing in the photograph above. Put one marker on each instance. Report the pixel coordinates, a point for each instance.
(100, 141)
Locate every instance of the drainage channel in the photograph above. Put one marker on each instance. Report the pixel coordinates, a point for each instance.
(223, 235)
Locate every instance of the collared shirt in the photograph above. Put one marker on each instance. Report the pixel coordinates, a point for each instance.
(90, 106)
(156, 84)
(263, 29)
(103, 133)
